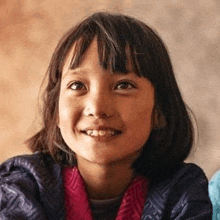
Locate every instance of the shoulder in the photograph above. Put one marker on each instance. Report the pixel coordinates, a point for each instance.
(189, 177)
(214, 193)
(22, 161)
(34, 164)
(29, 182)
(189, 184)
(183, 196)
(38, 167)
(214, 186)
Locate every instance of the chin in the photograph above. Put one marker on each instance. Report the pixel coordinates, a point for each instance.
(102, 161)
(112, 160)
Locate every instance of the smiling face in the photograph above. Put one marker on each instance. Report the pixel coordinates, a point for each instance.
(104, 117)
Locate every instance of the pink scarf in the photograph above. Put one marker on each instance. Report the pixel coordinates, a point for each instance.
(77, 201)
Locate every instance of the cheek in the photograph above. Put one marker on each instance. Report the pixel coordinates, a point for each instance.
(141, 121)
(69, 112)
(137, 112)
(138, 120)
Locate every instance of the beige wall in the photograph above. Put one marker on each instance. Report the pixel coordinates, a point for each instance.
(30, 30)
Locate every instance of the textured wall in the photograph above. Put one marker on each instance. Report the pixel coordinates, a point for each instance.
(30, 30)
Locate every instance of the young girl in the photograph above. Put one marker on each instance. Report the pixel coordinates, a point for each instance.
(116, 132)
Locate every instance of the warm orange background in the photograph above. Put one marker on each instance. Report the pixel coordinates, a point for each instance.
(30, 30)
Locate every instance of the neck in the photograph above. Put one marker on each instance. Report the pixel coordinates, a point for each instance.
(105, 181)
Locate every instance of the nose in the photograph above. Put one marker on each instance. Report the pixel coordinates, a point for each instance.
(99, 105)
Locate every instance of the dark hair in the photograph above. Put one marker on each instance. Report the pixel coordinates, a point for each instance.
(169, 143)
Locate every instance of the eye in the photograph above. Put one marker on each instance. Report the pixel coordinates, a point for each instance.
(125, 85)
(77, 85)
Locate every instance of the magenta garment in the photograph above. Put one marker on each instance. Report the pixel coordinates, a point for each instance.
(77, 201)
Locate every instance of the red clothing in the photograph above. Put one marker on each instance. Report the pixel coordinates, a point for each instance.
(77, 201)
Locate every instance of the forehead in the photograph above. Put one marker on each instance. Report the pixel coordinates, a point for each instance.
(91, 57)
(68, 59)
(94, 56)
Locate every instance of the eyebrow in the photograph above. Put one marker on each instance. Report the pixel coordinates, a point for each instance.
(76, 71)
(79, 71)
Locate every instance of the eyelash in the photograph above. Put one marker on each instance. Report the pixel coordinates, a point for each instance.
(124, 83)
(127, 85)
(76, 83)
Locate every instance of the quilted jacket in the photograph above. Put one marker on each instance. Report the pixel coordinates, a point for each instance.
(31, 188)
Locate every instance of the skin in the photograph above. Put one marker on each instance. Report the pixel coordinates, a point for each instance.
(92, 98)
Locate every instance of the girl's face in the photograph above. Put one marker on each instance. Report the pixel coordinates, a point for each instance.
(104, 117)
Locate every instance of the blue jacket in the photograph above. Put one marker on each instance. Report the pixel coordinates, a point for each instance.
(214, 194)
(31, 188)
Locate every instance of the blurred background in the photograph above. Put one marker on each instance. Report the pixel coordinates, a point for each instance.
(30, 30)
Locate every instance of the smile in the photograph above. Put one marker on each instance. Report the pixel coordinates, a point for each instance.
(101, 133)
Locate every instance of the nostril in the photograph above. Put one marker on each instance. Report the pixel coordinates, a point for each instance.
(101, 110)
(105, 115)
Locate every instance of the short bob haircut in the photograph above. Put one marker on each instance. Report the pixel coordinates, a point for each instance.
(170, 142)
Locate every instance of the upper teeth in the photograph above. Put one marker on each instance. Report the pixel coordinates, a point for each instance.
(97, 133)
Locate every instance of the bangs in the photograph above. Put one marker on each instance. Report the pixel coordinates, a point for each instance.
(110, 57)
(116, 48)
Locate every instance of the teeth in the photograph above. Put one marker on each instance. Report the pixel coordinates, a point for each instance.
(102, 132)
(89, 132)
(96, 133)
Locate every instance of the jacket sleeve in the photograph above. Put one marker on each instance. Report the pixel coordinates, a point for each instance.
(18, 194)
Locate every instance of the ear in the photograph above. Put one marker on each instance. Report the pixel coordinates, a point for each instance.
(159, 120)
